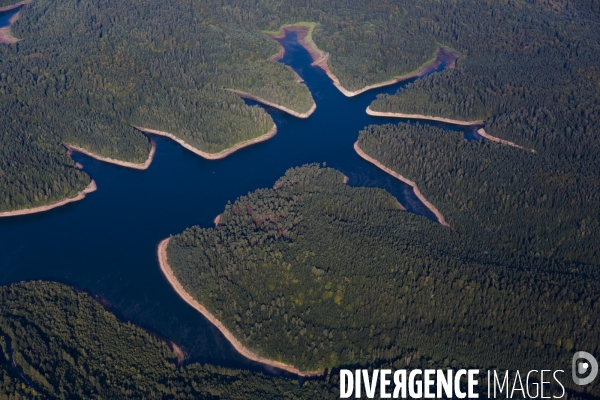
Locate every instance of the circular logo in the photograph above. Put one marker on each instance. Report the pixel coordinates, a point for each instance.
(582, 368)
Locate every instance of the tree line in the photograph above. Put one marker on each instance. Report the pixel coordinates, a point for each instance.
(318, 274)
(65, 345)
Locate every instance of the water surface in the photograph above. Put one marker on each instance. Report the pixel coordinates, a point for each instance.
(5, 16)
(106, 244)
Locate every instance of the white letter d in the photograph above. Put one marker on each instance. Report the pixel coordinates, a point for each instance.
(346, 381)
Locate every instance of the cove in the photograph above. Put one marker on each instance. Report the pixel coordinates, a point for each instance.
(106, 244)
(5, 16)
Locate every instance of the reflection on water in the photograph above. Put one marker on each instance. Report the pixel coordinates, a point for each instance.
(106, 244)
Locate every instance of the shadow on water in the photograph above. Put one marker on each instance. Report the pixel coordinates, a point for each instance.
(106, 244)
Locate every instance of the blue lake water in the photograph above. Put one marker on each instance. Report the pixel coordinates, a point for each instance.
(6, 16)
(106, 244)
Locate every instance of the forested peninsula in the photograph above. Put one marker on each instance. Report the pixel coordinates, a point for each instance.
(126, 164)
(168, 273)
(58, 343)
(528, 203)
(304, 32)
(65, 345)
(317, 274)
(532, 77)
(71, 79)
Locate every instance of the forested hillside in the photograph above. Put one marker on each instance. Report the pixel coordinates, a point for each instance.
(319, 274)
(68, 346)
(86, 72)
(7, 3)
(532, 70)
(525, 202)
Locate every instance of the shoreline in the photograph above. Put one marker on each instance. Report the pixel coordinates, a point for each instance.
(6, 36)
(248, 96)
(396, 175)
(320, 59)
(481, 132)
(441, 55)
(178, 288)
(211, 156)
(92, 187)
(423, 117)
(179, 354)
(10, 8)
(125, 164)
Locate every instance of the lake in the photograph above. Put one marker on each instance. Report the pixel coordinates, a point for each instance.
(106, 244)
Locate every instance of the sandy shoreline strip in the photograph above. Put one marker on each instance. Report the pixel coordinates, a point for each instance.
(10, 8)
(6, 36)
(245, 95)
(89, 189)
(320, 58)
(212, 156)
(168, 272)
(126, 164)
(396, 175)
(424, 117)
(481, 132)
(322, 62)
(92, 186)
(179, 354)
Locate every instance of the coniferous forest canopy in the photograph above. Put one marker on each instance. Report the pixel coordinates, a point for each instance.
(529, 203)
(85, 72)
(318, 274)
(313, 272)
(7, 3)
(68, 346)
(534, 77)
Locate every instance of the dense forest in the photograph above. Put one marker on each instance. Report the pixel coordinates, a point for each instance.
(534, 76)
(7, 3)
(67, 346)
(529, 68)
(525, 202)
(57, 343)
(34, 168)
(86, 72)
(318, 274)
(368, 41)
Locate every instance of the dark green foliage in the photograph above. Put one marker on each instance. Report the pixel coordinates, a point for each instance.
(86, 72)
(530, 203)
(532, 70)
(70, 347)
(319, 274)
(368, 41)
(34, 167)
(8, 3)
(11, 387)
